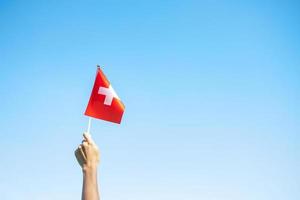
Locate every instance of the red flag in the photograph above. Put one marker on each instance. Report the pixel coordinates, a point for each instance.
(104, 103)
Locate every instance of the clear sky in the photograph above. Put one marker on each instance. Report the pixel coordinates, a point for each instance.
(211, 90)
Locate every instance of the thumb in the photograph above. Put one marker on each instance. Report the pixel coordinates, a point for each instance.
(87, 136)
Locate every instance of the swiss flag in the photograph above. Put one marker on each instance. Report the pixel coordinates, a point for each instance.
(104, 103)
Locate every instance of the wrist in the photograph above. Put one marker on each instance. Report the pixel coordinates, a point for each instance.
(89, 168)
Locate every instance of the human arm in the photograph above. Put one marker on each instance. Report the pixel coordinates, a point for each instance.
(87, 155)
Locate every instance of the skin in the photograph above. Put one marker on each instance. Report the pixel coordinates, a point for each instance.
(87, 155)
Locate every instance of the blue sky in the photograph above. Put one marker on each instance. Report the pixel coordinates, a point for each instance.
(211, 90)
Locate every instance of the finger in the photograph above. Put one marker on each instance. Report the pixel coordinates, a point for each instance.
(84, 147)
(88, 138)
(78, 154)
(84, 143)
(82, 151)
(79, 157)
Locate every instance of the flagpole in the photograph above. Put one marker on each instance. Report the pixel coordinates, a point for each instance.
(90, 119)
(89, 125)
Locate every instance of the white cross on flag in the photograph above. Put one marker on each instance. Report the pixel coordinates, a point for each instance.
(104, 103)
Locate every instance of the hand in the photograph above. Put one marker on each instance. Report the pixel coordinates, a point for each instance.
(87, 153)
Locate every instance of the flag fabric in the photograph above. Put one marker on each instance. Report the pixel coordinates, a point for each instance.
(104, 103)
